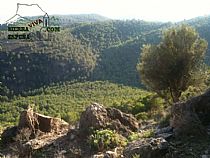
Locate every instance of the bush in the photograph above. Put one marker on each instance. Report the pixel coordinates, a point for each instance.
(147, 134)
(191, 92)
(147, 103)
(142, 116)
(71, 117)
(102, 140)
(133, 136)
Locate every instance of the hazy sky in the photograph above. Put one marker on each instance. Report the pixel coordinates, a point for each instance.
(150, 10)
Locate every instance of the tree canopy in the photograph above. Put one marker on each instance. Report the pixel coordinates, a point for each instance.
(175, 63)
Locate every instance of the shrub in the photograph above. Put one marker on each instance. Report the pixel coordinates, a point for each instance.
(102, 140)
(147, 134)
(133, 136)
(143, 107)
(71, 117)
(136, 156)
(142, 116)
(191, 92)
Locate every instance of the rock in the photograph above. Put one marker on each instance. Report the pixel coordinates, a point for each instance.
(25, 150)
(166, 133)
(98, 156)
(147, 148)
(185, 122)
(111, 154)
(31, 125)
(35, 121)
(205, 156)
(164, 130)
(191, 117)
(72, 134)
(96, 116)
(9, 134)
(166, 136)
(125, 119)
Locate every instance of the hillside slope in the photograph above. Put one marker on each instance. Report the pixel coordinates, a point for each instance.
(63, 99)
(84, 50)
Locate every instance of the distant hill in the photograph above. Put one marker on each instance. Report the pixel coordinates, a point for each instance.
(89, 47)
(79, 18)
(202, 25)
(29, 65)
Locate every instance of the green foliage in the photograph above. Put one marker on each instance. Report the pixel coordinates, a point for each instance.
(136, 156)
(67, 99)
(31, 65)
(142, 116)
(147, 134)
(89, 47)
(102, 140)
(191, 92)
(71, 117)
(146, 102)
(117, 44)
(133, 136)
(102, 35)
(4, 92)
(176, 63)
(84, 51)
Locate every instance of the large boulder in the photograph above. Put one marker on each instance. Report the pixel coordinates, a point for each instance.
(147, 148)
(191, 117)
(96, 116)
(35, 121)
(31, 124)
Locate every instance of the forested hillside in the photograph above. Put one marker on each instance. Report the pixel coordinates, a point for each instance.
(85, 49)
(96, 59)
(29, 65)
(67, 100)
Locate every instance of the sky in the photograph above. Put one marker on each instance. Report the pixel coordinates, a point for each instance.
(149, 10)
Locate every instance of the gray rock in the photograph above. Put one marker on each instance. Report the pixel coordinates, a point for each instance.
(205, 156)
(164, 130)
(165, 135)
(96, 116)
(147, 148)
(190, 117)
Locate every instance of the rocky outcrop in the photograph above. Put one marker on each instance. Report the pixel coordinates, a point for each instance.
(96, 116)
(147, 148)
(35, 123)
(190, 117)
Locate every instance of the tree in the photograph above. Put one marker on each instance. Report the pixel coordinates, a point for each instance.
(176, 63)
